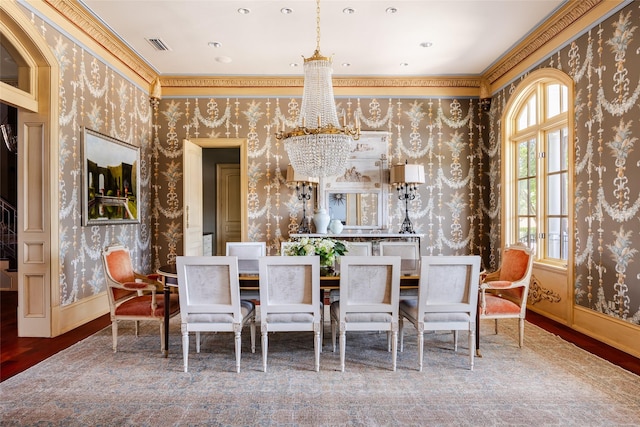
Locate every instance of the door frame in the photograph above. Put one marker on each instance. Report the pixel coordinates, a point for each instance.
(242, 145)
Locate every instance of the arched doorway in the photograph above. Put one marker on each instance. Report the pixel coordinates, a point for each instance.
(36, 100)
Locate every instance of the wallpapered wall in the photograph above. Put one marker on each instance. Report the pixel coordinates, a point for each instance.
(442, 134)
(95, 96)
(605, 66)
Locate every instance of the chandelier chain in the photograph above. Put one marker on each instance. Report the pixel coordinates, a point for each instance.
(318, 26)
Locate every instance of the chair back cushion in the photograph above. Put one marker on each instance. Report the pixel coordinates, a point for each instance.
(449, 287)
(290, 289)
(514, 265)
(369, 289)
(209, 289)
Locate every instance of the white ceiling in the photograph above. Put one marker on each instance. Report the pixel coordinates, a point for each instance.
(468, 36)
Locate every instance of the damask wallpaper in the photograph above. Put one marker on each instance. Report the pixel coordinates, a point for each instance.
(605, 67)
(442, 134)
(93, 95)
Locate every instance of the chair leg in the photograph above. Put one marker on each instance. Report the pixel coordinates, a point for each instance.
(401, 327)
(389, 341)
(253, 334)
(394, 348)
(496, 326)
(455, 340)
(420, 349)
(343, 343)
(197, 342)
(265, 346)
(238, 340)
(137, 323)
(333, 334)
(317, 345)
(114, 333)
(162, 332)
(472, 344)
(521, 332)
(185, 348)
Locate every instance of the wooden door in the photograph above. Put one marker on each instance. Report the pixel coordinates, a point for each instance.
(228, 210)
(192, 219)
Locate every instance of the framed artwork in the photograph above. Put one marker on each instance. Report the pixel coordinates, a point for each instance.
(110, 180)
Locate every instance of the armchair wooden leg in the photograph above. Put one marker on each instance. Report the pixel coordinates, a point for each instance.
(114, 332)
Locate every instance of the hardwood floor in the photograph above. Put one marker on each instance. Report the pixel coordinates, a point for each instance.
(19, 354)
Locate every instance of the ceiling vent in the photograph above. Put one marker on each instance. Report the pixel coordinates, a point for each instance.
(158, 44)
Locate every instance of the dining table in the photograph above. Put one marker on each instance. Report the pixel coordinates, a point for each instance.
(251, 282)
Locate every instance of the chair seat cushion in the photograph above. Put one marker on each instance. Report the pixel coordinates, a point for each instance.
(360, 317)
(290, 318)
(497, 305)
(246, 307)
(409, 309)
(141, 306)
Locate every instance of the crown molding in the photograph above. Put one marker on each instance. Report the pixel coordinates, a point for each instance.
(96, 31)
(557, 29)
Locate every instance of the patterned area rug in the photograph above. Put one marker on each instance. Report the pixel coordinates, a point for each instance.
(548, 382)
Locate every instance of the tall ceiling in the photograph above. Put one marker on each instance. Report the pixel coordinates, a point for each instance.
(466, 36)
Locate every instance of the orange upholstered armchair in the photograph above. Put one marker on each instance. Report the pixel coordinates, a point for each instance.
(132, 296)
(503, 293)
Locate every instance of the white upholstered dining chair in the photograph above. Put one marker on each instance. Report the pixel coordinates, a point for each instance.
(447, 300)
(290, 299)
(369, 295)
(210, 301)
(247, 254)
(409, 252)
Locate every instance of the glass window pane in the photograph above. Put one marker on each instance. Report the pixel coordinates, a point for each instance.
(553, 151)
(565, 99)
(553, 100)
(523, 197)
(564, 155)
(554, 194)
(532, 157)
(523, 159)
(533, 103)
(522, 119)
(533, 205)
(554, 240)
(524, 230)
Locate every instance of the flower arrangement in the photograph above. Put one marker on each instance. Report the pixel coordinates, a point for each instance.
(328, 249)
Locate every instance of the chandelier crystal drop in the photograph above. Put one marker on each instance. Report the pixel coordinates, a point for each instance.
(318, 146)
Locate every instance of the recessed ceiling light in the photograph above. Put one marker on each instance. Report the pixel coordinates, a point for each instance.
(346, 64)
(426, 44)
(348, 11)
(215, 44)
(293, 65)
(244, 11)
(391, 10)
(404, 64)
(223, 59)
(286, 11)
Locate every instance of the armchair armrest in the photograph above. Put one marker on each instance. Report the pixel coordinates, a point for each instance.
(141, 286)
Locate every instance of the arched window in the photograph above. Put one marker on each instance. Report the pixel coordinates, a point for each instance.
(538, 157)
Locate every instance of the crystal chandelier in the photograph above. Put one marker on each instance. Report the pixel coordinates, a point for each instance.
(318, 146)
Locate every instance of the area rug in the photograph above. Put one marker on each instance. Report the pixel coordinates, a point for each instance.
(548, 382)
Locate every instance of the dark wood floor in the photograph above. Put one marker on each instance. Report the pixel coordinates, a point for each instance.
(19, 354)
